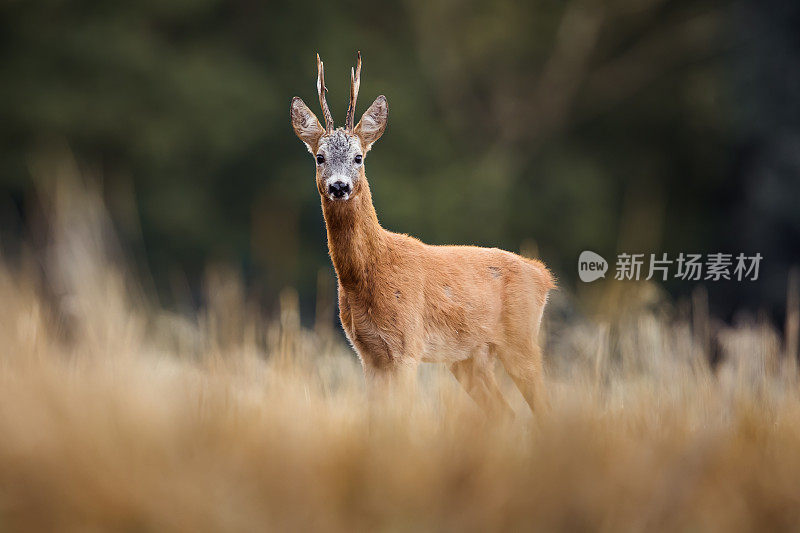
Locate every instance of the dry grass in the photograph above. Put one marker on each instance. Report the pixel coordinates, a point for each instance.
(116, 415)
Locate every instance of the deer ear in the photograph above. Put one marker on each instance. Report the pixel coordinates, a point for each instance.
(305, 124)
(373, 122)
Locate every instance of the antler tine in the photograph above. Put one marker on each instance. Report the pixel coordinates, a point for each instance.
(321, 89)
(355, 83)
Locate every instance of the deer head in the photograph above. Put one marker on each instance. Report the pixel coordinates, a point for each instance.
(339, 153)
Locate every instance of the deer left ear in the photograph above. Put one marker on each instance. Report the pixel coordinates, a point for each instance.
(306, 125)
(373, 122)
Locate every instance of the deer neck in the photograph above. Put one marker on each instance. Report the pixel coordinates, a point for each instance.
(356, 240)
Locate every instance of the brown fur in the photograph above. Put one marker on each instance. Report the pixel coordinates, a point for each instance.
(403, 302)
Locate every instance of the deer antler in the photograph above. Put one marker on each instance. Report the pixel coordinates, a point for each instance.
(321, 89)
(355, 83)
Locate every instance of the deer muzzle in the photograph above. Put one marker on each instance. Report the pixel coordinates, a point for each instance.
(339, 187)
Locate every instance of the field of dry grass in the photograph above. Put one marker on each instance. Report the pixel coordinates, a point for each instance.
(118, 415)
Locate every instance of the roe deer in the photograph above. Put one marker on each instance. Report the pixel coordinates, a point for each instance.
(402, 302)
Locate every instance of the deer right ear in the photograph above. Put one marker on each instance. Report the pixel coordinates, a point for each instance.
(373, 122)
(306, 125)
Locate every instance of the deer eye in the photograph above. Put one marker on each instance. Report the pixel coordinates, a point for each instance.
(320, 159)
(358, 159)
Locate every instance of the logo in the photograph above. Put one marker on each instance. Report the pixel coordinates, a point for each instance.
(591, 266)
(686, 266)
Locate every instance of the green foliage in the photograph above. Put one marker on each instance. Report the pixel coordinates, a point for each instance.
(509, 121)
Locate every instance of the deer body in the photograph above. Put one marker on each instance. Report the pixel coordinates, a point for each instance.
(402, 302)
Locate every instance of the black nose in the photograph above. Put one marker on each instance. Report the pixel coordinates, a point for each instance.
(338, 189)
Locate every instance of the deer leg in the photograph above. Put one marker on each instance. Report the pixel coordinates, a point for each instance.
(477, 378)
(525, 368)
(390, 381)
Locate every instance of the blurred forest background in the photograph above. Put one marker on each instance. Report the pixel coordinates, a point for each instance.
(626, 125)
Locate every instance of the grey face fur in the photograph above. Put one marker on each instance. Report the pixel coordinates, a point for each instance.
(342, 161)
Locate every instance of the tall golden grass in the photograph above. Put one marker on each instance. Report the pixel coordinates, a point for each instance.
(118, 415)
